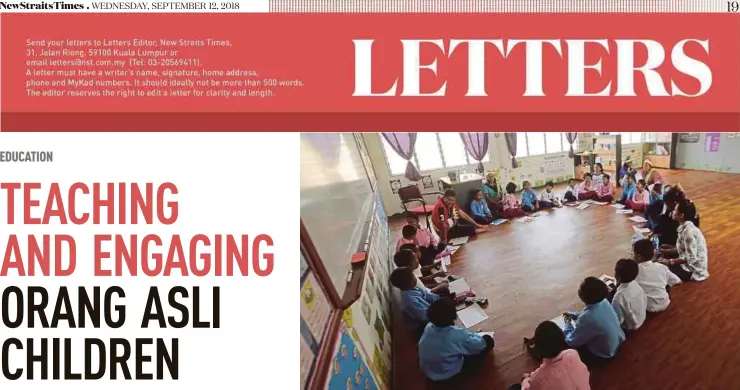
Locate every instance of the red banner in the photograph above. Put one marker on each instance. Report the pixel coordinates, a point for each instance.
(315, 72)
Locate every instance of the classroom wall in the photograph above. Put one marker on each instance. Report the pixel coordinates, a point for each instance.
(695, 156)
(536, 169)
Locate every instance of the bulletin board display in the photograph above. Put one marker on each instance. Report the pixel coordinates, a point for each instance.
(316, 310)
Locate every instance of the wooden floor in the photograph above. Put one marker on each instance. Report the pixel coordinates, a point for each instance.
(531, 272)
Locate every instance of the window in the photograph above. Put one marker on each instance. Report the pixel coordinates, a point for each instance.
(554, 142)
(629, 138)
(432, 151)
(537, 144)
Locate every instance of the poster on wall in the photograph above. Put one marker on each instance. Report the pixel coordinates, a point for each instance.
(712, 142)
(688, 138)
(315, 308)
(395, 185)
(348, 369)
(307, 359)
(427, 182)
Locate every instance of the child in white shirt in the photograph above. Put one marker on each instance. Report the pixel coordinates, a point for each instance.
(629, 302)
(569, 195)
(547, 196)
(654, 278)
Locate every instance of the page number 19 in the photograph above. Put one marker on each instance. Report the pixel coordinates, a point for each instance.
(733, 6)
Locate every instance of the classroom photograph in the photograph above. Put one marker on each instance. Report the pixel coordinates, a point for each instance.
(540, 261)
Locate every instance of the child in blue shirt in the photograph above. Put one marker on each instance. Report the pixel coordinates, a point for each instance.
(595, 332)
(415, 299)
(628, 189)
(444, 349)
(479, 208)
(655, 207)
(529, 198)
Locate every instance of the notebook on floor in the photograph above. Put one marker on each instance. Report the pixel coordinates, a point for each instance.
(638, 219)
(583, 206)
(618, 206)
(499, 221)
(459, 286)
(624, 211)
(559, 321)
(471, 315)
(459, 241)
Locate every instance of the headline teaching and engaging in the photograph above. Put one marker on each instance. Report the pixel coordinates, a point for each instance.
(117, 255)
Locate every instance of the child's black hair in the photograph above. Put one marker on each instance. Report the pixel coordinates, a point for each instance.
(688, 209)
(645, 248)
(450, 193)
(606, 176)
(626, 270)
(549, 184)
(409, 231)
(631, 176)
(404, 258)
(510, 188)
(626, 165)
(587, 174)
(600, 165)
(572, 179)
(402, 278)
(592, 290)
(411, 247)
(549, 340)
(657, 187)
(642, 181)
(442, 312)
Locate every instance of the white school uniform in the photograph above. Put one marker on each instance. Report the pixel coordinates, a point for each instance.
(653, 278)
(549, 197)
(630, 304)
(569, 189)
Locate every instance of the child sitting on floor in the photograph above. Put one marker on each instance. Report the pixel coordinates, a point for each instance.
(596, 333)
(655, 207)
(512, 207)
(529, 198)
(413, 233)
(425, 276)
(561, 368)
(626, 170)
(415, 300)
(605, 190)
(479, 208)
(547, 196)
(654, 278)
(598, 175)
(629, 302)
(444, 349)
(586, 188)
(628, 189)
(640, 198)
(570, 194)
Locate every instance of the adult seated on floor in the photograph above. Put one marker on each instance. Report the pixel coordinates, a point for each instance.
(650, 174)
(446, 217)
(666, 228)
(691, 247)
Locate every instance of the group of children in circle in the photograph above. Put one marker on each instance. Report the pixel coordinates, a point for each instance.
(585, 339)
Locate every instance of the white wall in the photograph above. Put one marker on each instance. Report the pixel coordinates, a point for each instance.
(694, 155)
(531, 168)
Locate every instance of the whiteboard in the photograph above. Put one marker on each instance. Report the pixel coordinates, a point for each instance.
(336, 199)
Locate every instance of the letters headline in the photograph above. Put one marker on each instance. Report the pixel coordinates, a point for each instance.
(677, 70)
(120, 255)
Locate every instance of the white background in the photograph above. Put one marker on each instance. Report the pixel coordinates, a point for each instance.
(228, 183)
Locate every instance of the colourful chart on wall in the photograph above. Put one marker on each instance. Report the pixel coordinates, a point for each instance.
(315, 308)
(349, 370)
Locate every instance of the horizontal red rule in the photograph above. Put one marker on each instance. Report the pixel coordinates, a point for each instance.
(314, 72)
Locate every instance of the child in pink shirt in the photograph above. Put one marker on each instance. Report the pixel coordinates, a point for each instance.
(413, 233)
(561, 368)
(605, 190)
(512, 207)
(586, 190)
(640, 198)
